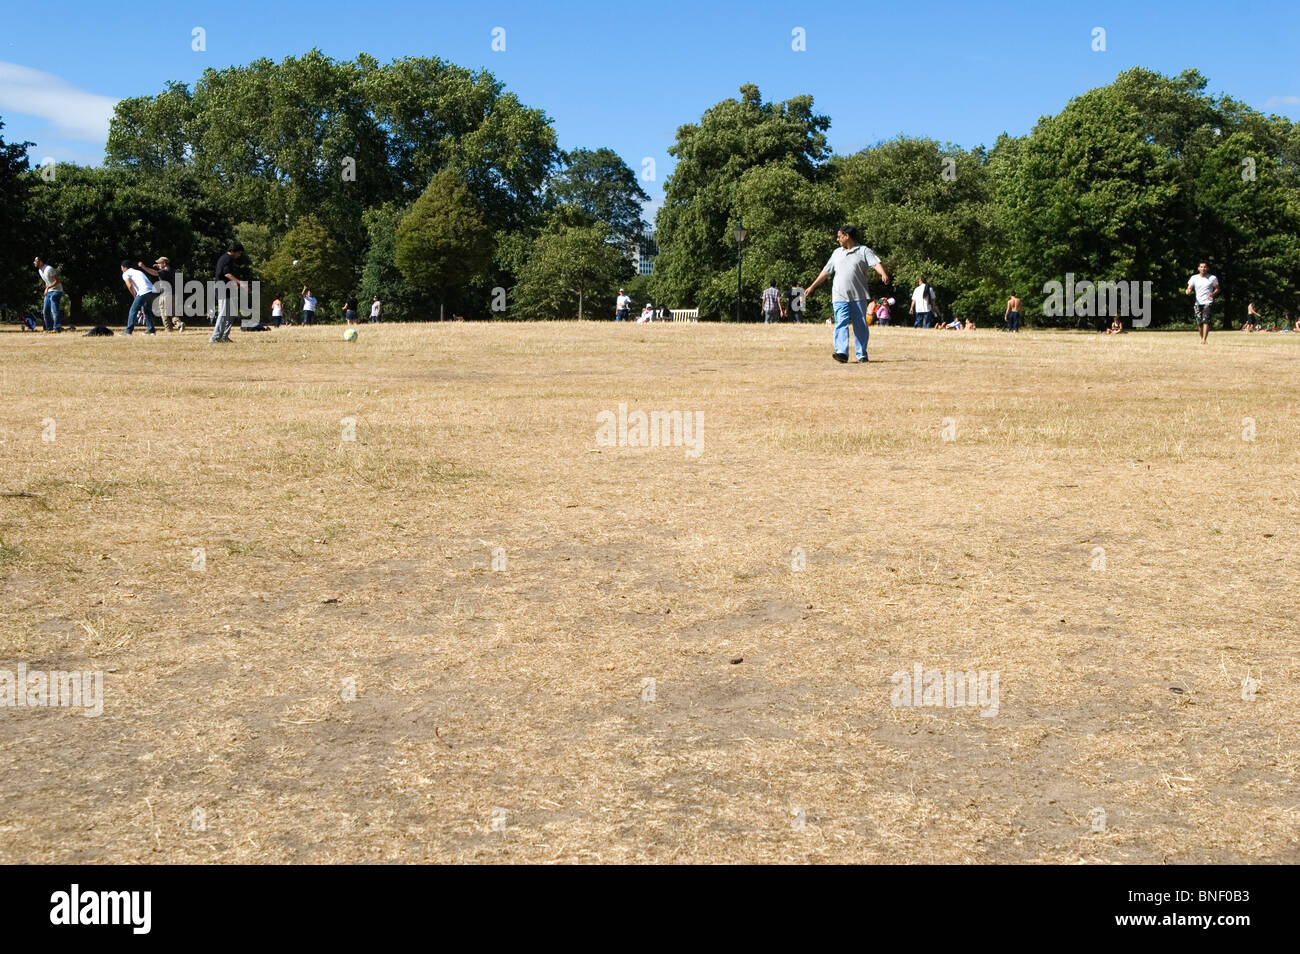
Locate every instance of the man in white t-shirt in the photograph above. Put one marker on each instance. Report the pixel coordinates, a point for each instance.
(375, 309)
(53, 295)
(922, 305)
(1206, 288)
(622, 306)
(142, 296)
(849, 266)
(308, 307)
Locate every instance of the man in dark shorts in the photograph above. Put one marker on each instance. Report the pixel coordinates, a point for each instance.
(1206, 287)
(350, 310)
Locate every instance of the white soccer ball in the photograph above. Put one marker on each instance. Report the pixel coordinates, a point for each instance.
(350, 335)
(295, 262)
(891, 301)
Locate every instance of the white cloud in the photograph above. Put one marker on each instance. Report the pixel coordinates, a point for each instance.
(1275, 101)
(71, 112)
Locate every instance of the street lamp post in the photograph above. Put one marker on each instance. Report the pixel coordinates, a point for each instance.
(739, 233)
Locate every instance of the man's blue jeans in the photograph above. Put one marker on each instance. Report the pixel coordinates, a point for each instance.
(846, 313)
(142, 302)
(50, 311)
(924, 319)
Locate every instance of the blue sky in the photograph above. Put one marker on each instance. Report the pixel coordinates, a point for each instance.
(626, 74)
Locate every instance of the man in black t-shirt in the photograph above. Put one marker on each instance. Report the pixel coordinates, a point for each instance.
(350, 310)
(225, 283)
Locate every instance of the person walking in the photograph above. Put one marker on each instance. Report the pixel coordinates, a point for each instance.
(50, 304)
(848, 268)
(771, 304)
(1206, 287)
(1012, 314)
(922, 305)
(224, 283)
(142, 296)
(622, 306)
(376, 308)
(168, 293)
(350, 309)
(308, 307)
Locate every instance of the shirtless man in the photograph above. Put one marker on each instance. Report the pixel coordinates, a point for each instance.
(1012, 314)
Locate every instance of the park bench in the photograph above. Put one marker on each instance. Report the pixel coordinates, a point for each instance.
(685, 314)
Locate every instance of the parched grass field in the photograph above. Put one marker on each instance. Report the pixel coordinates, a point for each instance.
(308, 655)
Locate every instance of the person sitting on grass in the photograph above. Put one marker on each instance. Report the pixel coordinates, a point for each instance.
(970, 325)
(954, 325)
(1116, 327)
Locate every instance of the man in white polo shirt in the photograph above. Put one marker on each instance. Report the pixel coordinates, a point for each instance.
(850, 264)
(1206, 287)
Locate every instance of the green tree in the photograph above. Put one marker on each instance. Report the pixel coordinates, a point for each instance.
(1249, 227)
(600, 184)
(16, 251)
(273, 142)
(1086, 193)
(703, 196)
(790, 221)
(380, 274)
(309, 256)
(443, 241)
(89, 219)
(572, 269)
(927, 211)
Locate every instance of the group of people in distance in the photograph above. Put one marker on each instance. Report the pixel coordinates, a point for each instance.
(848, 269)
(153, 288)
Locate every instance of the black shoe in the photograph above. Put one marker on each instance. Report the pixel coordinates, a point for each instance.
(863, 360)
(841, 358)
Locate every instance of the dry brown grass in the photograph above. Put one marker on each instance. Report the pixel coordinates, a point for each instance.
(521, 691)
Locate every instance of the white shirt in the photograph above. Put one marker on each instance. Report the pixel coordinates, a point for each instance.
(624, 301)
(276, 309)
(1203, 287)
(374, 309)
(308, 303)
(921, 298)
(848, 269)
(137, 281)
(47, 275)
